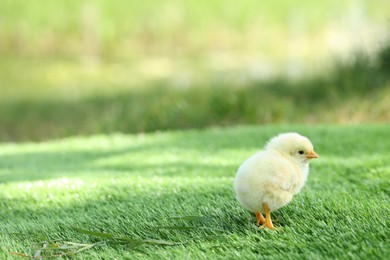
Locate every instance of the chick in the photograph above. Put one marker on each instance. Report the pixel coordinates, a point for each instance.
(268, 179)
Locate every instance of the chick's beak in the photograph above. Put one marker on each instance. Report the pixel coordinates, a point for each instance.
(312, 155)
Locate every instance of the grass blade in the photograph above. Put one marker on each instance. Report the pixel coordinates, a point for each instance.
(191, 218)
(146, 241)
(75, 244)
(20, 254)
(130, 241)
(160, 242)
(127, 239)
(85, 248)
(187, 228)
(93, 233)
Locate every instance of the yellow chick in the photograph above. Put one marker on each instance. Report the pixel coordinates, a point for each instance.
(268, 179)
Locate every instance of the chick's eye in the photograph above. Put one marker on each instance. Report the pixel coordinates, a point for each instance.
(301, 152)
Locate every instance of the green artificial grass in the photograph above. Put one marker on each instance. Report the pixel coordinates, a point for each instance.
(170, 196)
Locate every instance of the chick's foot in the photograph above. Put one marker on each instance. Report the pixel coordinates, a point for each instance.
(260, 219)
(268, 221)
(270, 226)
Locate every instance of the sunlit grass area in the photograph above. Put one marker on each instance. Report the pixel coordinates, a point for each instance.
(131, 185)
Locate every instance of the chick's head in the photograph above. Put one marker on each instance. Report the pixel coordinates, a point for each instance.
(293, 145)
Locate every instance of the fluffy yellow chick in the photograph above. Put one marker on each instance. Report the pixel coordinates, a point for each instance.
(268, 179)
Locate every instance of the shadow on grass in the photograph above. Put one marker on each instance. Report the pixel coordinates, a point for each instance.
(310, 221)
(126, 212)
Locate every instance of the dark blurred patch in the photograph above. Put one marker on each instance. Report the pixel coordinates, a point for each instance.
(384, 60)
(354, 92)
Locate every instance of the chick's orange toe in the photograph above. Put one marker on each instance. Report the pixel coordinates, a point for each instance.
(268, 226)
(260, 219)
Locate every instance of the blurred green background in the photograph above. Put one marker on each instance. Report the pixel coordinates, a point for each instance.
(72, 67)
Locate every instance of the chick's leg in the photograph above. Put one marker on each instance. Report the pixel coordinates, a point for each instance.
(260, 218)
(268, 221)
